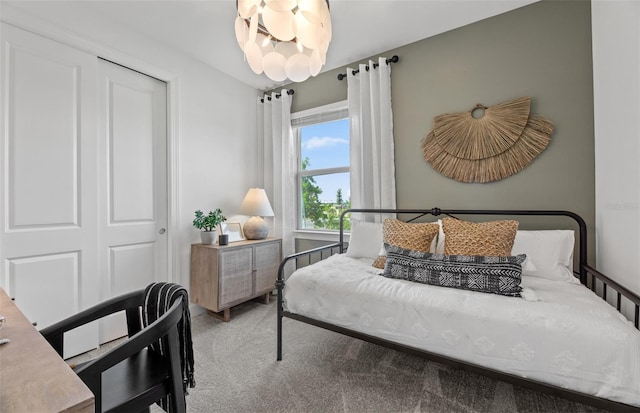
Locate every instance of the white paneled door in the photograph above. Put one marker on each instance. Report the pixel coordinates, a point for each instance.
(49, 219)
(133, 184)
(83, 200)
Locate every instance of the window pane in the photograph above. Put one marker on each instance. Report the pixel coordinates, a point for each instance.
(325, 145)
(324, 197)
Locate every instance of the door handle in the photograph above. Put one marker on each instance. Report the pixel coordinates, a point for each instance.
(162, 231)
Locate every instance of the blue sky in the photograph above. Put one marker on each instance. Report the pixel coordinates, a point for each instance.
(327, 146)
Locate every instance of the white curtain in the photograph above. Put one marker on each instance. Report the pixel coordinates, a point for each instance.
(373, 183)
(279, 165)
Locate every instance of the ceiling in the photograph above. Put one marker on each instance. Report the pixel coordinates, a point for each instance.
(204, 30)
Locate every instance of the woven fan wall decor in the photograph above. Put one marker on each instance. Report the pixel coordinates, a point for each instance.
(487, 144)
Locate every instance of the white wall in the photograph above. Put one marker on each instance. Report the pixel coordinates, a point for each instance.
(214, 129)
(616, 77)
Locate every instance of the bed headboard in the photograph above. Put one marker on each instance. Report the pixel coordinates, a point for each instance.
(420, 213)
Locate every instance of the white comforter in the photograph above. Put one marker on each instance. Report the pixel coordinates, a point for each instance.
(569, 337)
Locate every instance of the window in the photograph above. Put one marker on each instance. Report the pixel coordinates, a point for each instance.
(322, 137)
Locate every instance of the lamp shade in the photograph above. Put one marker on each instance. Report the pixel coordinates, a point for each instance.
(256, 203)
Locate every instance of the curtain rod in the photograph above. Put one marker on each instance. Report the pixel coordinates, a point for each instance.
(393, 59)
(289, 92)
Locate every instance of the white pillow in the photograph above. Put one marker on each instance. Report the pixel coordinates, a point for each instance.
(549, 251)
(365, 240)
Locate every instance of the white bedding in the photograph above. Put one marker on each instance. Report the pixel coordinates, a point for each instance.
(569, 337)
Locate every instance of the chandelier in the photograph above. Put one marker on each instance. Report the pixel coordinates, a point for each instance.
(284, 38)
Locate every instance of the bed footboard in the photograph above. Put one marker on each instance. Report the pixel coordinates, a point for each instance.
(321, 253)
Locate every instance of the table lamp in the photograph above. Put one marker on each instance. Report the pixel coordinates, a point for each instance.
(256, 204)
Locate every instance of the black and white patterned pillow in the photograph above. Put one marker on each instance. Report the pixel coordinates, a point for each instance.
(497, 275)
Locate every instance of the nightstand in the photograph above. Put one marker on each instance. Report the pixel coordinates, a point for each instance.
(226, 275)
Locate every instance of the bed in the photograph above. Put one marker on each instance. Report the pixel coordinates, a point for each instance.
(559, 330)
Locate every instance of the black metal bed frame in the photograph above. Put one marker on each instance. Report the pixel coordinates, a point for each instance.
(589, 277)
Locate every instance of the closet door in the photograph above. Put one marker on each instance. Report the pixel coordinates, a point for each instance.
(83, 182)
(48, 177)
(132, 218)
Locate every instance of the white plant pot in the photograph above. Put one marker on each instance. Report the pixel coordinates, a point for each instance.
(208, 237)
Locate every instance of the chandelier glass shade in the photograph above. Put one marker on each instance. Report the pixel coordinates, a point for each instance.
(284, 38)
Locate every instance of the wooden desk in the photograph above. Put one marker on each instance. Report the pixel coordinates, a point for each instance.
(33, 377)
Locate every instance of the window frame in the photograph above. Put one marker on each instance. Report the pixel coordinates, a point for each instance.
(320, 114)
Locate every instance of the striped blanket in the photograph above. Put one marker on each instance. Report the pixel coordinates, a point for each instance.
(158, 298)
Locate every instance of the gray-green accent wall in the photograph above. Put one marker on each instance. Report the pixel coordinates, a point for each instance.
(542, 50)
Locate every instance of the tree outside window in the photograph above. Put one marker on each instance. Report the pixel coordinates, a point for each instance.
(323, 174)
(322, 215)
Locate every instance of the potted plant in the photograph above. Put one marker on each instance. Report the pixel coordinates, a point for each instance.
(208, 224)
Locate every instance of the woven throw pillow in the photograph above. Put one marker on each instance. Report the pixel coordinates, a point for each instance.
(412, 236)
(496, 275)
(494, 238)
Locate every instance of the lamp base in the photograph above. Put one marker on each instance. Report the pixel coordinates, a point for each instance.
(255, 228)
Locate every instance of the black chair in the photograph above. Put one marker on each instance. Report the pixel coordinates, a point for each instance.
(130, 377)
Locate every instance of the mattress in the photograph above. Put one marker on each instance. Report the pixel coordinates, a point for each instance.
(562, 334)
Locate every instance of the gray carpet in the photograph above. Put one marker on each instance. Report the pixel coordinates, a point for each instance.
(321, 371)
